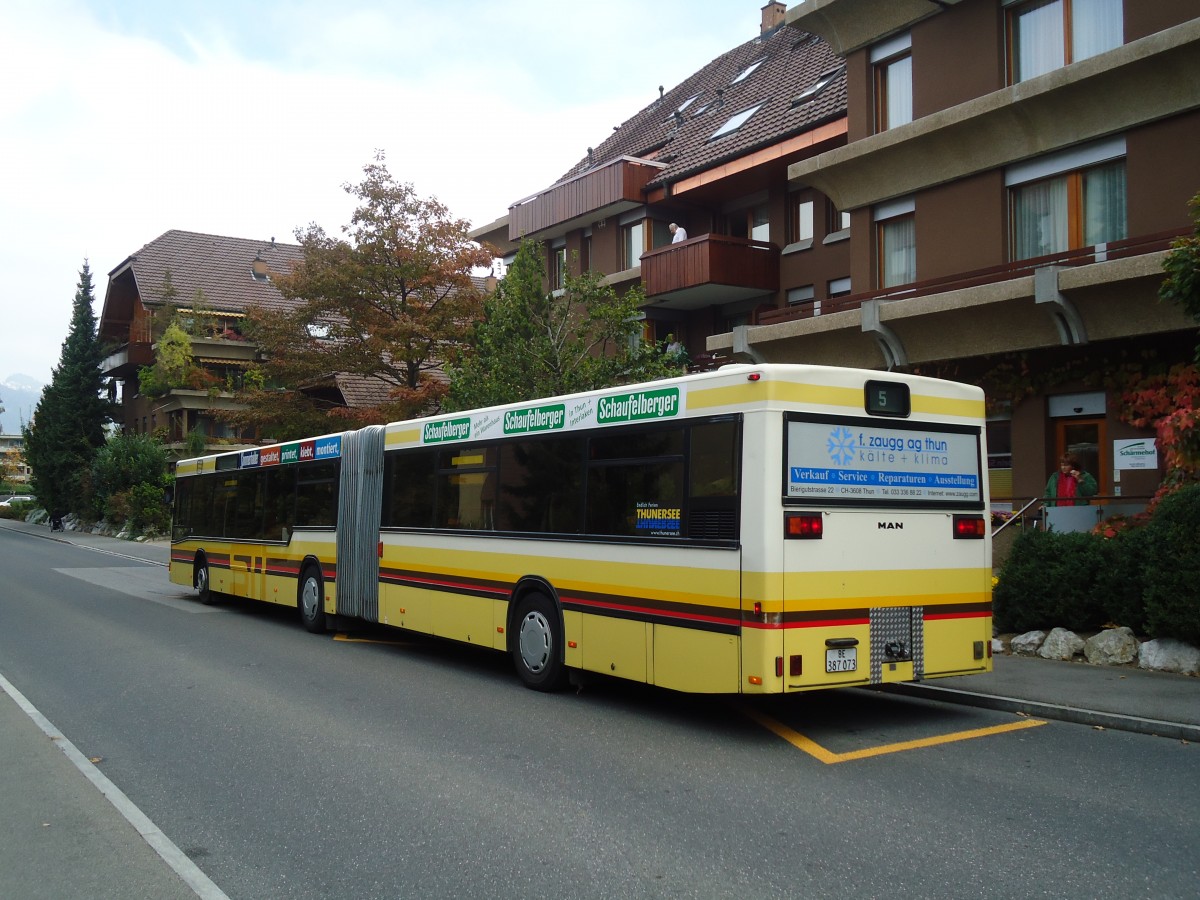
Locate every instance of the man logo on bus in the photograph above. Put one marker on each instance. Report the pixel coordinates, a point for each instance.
(841, 446)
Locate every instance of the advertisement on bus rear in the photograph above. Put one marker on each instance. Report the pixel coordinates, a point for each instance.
(853, 460)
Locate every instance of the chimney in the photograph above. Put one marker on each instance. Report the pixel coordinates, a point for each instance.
(772, 16)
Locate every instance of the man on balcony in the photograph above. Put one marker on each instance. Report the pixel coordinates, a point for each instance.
(677, 234)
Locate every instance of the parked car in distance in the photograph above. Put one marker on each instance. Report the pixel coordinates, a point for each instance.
(18, 498)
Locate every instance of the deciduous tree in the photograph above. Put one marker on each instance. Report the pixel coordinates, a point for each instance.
(388, 301)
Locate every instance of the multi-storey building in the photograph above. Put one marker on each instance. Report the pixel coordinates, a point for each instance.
(979, 189)
(210, 282)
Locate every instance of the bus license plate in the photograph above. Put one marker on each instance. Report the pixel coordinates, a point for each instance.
(843, 659)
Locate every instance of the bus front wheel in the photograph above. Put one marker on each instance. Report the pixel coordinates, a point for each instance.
(311, 600)
(538, 646)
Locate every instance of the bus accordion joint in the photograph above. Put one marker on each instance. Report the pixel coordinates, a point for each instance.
(969, 527)
(803, 526)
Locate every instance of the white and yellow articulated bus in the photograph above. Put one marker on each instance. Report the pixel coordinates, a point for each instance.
(757, 529)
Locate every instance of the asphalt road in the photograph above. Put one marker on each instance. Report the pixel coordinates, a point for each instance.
(291, 765)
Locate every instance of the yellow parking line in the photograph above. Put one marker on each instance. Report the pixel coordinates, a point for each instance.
(357, 640)
(812, 748)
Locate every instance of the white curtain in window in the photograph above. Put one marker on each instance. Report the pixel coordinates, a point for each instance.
(1040, 218)
(898, 254)
(1104, 204)
(898, 93)
(1096, 26)
(1040, 39)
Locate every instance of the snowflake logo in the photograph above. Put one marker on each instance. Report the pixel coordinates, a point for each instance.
(841, 446)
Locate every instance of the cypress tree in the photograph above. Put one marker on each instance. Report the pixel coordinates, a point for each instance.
(68, 422)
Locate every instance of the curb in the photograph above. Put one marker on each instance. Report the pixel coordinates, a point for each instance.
(1095, 718)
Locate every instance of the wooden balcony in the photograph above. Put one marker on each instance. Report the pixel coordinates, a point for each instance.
(125, 361)
(596, 194)
(708, 269)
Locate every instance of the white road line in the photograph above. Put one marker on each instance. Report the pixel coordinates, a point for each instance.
(179, 862)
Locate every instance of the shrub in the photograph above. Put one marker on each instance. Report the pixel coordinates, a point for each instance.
(142, 509)
(1172, 574)
(1049, 579)
(1120, 582)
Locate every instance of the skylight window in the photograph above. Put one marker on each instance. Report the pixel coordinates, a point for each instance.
(746, 72)
(816, 87)
(735, 123)
(688, 102)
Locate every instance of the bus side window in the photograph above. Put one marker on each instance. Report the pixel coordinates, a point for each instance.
(635, 483)
(316, 494)
(466, 489)
(411, 480)
(541, 480)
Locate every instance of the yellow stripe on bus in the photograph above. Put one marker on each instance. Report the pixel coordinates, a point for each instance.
(824, 395)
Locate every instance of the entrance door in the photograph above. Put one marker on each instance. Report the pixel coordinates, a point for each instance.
(1085, 438)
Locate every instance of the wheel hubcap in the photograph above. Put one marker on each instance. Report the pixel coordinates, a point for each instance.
(535, 641)
(201, 580)
(309, 599)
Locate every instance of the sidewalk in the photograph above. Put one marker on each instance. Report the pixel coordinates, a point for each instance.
(1117, 697)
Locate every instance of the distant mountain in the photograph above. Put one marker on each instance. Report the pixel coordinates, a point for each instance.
(19, 395)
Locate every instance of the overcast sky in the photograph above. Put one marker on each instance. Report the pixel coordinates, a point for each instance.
(122, 119)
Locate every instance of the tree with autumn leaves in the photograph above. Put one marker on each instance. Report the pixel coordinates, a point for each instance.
(1170, 403)
(385, 303)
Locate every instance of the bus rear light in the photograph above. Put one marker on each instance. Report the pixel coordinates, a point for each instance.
(754, 376)
(969, 527)
(757, 610)
(754, 679)
(803, 526)
(796, 665)
(779, 667)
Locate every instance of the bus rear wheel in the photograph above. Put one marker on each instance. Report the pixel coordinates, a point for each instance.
(203, 583)
(537, 647)
(311, 600)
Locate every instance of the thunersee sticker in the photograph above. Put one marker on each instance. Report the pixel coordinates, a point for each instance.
(848, 461)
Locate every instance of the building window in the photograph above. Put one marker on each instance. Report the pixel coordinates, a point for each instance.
(746, 72)
(897, 251)
(735, 122)
(1068, 211)
(1045, 35)
(799, 217)
(816, 87)
(804, 296)
(838, 287)
(558, 268)
(892, 61)
(896, 241)
(634, 243)
(760, 224)
(836, 220)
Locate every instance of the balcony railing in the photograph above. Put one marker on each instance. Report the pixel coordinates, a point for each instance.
(1123, 249)
(692, 272)
(597, 193)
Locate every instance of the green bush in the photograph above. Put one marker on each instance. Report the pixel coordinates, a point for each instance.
(1049, 579)
(1120, 583)
(142, 508)
(1172, 577)
(1146, 577)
